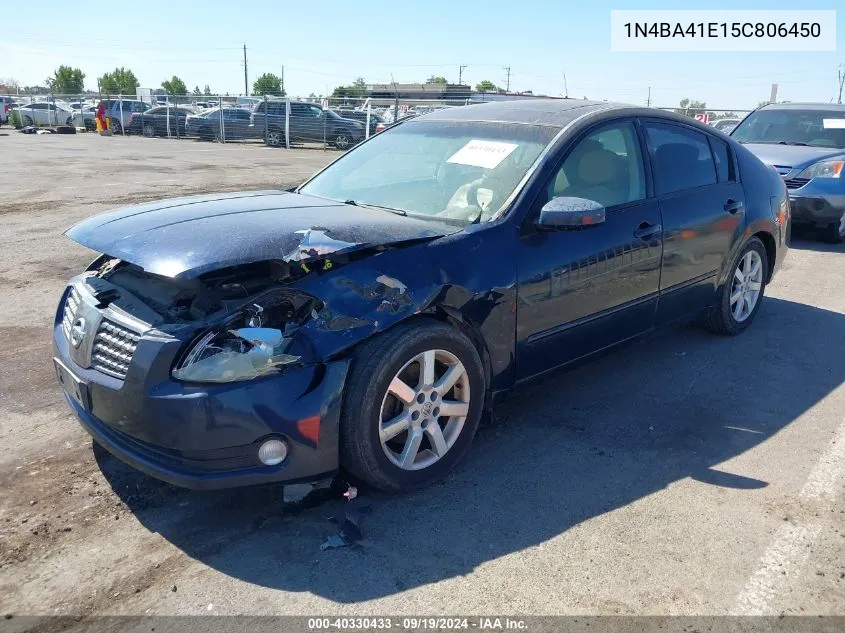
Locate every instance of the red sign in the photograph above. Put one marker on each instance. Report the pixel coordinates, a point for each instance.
(704, 118)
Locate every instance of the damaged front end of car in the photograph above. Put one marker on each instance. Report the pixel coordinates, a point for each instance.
(231, 362)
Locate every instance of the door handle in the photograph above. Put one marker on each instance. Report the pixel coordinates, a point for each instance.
(732, 206)
(647, 231)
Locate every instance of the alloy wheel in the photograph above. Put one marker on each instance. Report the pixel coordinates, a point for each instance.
(424, 410)
(274, 138)
(149, 129)
(746, 286)
(842, 226)
(342, 141)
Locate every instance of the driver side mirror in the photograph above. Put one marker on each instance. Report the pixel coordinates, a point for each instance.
(566, 212)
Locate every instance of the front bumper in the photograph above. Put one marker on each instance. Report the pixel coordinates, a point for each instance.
(816, 210)
(207, 436)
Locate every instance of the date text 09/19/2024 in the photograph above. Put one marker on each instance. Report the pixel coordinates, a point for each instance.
(410, 623)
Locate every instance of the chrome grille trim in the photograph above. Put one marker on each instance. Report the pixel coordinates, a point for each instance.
(114, 346)
(70, 311)
(795, 183)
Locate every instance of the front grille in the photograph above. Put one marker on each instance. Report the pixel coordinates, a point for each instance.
(113, 348)
(71, 308)
(794, 183)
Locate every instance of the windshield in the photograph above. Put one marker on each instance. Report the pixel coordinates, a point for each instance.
(459, 170)
(819, 128)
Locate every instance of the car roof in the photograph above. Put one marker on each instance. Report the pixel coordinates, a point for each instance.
(804, 106)
(549, 112)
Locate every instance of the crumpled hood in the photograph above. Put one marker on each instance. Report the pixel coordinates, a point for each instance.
(795, 156)
(186, 237)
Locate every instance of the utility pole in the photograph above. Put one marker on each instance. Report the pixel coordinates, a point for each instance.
(246, 77)
(508, 84)
(648, 100)
(461, 73)
(565, 88)
(841, 81)
(283, 80)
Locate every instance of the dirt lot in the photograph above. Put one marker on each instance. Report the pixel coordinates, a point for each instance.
(689, 474)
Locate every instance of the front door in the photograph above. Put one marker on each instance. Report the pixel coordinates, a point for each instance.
(703, 206)
(584, 289)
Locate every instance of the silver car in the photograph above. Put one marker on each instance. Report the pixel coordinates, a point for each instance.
(44, 113)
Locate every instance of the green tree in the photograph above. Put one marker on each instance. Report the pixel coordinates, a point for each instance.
(206, 91)
(67, 80)
(197, 92)
(120, 81)
(356, 90)
(268, 84)
(486, 86)
(436, 80)
(690, 107)
(174, 86)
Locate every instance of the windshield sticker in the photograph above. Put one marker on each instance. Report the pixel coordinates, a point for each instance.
(833, 124)
(486, 154)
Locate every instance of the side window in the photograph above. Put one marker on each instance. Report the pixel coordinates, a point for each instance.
(606, 166)
(314, 111)
(722, 157)
(682, 156)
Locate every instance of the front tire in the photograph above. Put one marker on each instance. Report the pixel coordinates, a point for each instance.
(275, 138)
(412, 404)
(742, 292)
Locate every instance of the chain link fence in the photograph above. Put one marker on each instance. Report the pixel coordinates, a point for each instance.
(318, 123)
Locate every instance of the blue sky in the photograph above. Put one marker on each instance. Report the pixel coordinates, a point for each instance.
(322, 44)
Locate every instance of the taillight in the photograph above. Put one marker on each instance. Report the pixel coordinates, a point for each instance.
(133, 116)
(379, 128)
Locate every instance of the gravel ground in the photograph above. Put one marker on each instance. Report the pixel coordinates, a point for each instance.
(688, 474)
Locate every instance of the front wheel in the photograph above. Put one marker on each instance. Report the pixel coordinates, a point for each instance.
(413, 401)
(742, 293)
(148, 130)
(27, 121)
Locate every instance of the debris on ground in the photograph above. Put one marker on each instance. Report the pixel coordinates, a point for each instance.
(349, 531)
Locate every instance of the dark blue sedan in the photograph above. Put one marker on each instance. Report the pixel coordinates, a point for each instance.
(366, 320)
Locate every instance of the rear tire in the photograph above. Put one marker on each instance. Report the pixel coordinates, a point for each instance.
(275, 138)
(342, 140)
(27, 121)
(431, 441)
(735, 311)
(115, 127)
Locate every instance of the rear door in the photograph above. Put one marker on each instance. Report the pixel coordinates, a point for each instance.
(703, 206)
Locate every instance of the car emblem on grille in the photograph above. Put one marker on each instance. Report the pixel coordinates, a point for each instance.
(78, 332)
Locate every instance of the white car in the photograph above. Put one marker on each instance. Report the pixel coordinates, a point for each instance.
(44, 113)
(725, 125)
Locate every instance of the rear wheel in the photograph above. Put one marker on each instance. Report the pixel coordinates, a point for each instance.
(114, 126)
(148, 130)
(742, 293)
(275, 138)
(27, 120)
(343, 140)
(412, 404)
(834, 233)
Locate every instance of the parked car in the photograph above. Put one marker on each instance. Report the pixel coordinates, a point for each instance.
(159, 121)
(366, 319)
(86, 117)
(805, 143)
(236, 125)
(381, 127)
(308, 123)
(44, 113)
(725, 125)
(120, 111)
(361, 117)
(248, 102)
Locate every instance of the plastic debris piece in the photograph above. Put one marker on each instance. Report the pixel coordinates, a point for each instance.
(296, 492)
(313, 243)
(334, 541)
(390, 282)
(351, 493)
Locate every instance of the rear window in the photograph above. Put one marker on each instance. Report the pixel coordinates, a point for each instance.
(682, 156)
(793, 126)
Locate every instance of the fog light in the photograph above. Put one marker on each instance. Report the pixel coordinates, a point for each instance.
(272, 452)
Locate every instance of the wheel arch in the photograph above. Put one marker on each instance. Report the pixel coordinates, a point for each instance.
(771, 251)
